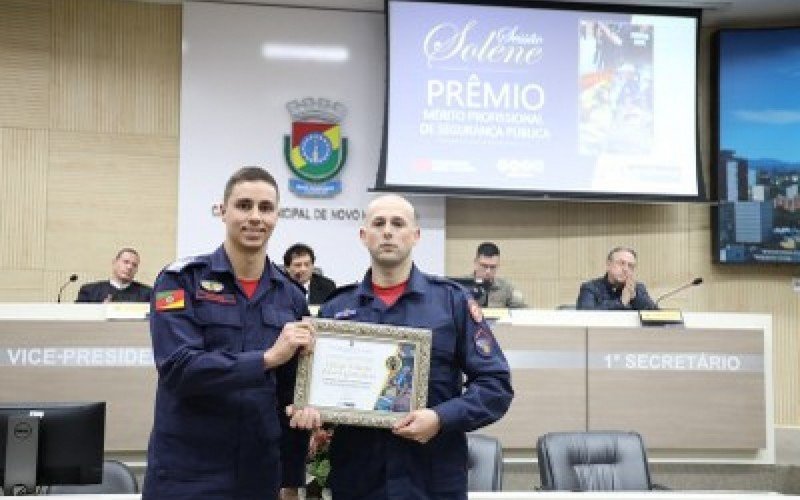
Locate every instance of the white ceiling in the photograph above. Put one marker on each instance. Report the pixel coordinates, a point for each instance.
(716, 13)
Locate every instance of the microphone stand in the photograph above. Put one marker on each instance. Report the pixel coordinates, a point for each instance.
(72, 278)
(681, 288)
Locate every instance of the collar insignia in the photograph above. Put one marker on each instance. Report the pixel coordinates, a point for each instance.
(211, 286)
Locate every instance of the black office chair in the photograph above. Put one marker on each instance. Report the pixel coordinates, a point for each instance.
(117, 478)
(593, 461)
(485, 463)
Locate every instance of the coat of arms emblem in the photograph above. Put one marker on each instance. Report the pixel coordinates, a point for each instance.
(316, 150)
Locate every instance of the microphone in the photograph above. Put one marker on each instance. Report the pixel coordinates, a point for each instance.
(694, 282)
(481, 292)
(72, 277)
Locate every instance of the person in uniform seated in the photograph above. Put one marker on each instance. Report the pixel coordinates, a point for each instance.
(298, 260)
(489, 290)
(618, 288)
(120, 287)
(424, 456)
(226, 331)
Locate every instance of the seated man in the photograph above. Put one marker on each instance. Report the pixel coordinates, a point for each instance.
(299, 262)
(120, 287)
(494, 291)
(618, 288)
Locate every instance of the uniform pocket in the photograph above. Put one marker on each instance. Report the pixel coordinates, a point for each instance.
(276, 318)
(221, 326)
(443, 350)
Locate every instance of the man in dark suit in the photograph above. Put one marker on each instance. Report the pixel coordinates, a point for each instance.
(618, 289)
(299, 262)
(120, 287)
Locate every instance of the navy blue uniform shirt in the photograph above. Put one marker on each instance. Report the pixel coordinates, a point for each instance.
(374, 464)
(600, 294)
(220, 431)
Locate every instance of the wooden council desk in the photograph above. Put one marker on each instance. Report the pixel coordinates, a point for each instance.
(699, 393)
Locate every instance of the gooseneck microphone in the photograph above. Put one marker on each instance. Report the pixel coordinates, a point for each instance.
(72, 278)
(481, 292)
(694, 282)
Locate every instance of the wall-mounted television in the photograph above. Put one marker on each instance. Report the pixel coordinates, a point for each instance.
(541, 99)
(756, 77)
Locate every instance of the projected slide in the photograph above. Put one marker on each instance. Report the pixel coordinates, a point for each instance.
(541, 100)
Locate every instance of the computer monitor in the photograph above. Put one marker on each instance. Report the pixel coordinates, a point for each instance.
(51, 443)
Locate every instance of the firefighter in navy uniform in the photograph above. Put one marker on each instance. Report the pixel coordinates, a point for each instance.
(226, 330)
(425, 455)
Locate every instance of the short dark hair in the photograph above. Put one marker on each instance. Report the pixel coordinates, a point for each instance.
(126, 250)
(621, 249)
(487, 249)
(249, 174)
(297, 250)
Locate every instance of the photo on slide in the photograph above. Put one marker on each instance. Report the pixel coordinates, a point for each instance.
(615, 65)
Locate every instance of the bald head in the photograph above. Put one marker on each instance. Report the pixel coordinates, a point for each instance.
(394, 202)
(390, 232)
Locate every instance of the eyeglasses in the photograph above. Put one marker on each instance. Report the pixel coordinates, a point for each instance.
(624, 263)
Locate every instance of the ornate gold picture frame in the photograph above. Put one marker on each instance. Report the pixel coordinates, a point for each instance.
(364, 374)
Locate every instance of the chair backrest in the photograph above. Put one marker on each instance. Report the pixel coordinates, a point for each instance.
(117, 478)
(485, 463)
(593, 461)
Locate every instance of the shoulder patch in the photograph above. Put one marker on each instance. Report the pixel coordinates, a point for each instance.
(475, 310)
(182, 263)
(170, 300)
(483, 342)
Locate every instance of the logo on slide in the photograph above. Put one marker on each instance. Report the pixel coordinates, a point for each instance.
(316, 150)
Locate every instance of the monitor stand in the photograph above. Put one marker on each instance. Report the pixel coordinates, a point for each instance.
(22, 449)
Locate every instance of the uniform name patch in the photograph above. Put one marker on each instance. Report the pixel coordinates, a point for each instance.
(170, 300)
(347, 313)
(219, 298)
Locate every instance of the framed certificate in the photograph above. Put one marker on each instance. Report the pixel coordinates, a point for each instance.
(364, 374)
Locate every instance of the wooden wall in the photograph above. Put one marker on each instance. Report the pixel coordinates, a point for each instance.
(89, 109)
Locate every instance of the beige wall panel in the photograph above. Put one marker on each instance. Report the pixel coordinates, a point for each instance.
(116, 67)
(24, 63)
(21, 286)
(583, 241)
(568, 290)
(23, 198)
(108, 191)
